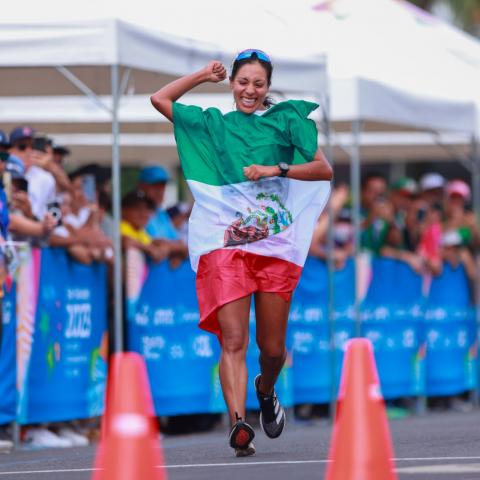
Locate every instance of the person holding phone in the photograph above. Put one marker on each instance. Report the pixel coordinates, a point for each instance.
(258, 179)
(41, 183)
(153, 181)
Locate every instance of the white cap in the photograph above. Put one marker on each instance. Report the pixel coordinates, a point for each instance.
(451, 238)
(431, 180)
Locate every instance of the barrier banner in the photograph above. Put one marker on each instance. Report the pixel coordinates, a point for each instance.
(392, 319)
(284, 384)
(452, 345)
(309, 330)
(8, 390)
(182, 360)
(62, 338)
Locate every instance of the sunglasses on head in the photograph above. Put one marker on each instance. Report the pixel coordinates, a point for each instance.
(249, 53)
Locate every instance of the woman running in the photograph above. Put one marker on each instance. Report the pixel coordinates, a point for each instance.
(259, 182)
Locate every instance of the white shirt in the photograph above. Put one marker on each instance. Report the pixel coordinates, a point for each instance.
(79, 220)
(41, 190)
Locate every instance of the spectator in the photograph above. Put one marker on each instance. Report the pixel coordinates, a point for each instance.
(137, 210)
(342, 230)
(457, 216)
(429, 247)
(67, 237)
(455, 253)
(4, 143)
(431, 187)
(152, 181)
(403, 197)
(377, 213)
(104, 217)
(41, 184)
(395, 247)
(82, 222)
(179, 215)
(59, 153)
(22, 223)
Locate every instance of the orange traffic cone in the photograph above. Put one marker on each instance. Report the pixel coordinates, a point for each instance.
(129, 445)
(361, 448)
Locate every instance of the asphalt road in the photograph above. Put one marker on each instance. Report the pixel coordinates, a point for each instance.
(435, 446)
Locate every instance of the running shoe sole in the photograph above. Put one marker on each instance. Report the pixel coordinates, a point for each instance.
(241, 435)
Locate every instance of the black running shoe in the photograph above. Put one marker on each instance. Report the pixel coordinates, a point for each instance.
(245, 452)
(272, 414)
(241, 434)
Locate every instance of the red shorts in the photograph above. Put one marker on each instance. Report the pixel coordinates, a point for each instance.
(225, 275)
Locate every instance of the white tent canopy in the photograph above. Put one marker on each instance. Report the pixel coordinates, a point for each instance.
(127, 36)
(382, 64)
(424, 79)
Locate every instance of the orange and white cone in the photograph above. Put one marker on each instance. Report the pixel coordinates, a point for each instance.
(361, 447)
(129, 445)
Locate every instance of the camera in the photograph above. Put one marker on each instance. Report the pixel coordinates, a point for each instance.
(55, 210)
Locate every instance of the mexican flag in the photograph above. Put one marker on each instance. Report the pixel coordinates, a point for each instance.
(272, 217)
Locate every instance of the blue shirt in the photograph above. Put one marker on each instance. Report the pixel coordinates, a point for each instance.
(160, 226)
(4, 220)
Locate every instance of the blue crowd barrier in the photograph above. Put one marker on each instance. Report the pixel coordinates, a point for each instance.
(392, 319)
(309, 330)
(55, 360)
(8, 388)
(67, 372)
(284, 385)
(182, 361)
(422, 345)
(451, 334)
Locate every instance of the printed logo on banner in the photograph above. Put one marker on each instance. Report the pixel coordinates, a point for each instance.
(79, 320)
(70, 345)
(202, 346)
(153, 346)
(142, 317)
(164, 316)
(302, 342)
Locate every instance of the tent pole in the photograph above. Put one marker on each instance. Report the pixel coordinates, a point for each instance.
(476, 208)
(118, 340)
(355, 182)
(331, 268)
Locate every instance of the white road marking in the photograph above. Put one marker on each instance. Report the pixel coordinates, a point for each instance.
(66, 470)
(449, 468)
(442, 468)
(421, 459)
(241, 464)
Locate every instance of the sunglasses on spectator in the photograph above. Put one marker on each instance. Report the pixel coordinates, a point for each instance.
(23, 146)
(249, 53)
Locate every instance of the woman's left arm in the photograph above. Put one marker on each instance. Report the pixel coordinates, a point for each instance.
(317, 169)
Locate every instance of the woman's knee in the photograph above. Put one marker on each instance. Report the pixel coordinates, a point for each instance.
(234, 343)
(275, 352)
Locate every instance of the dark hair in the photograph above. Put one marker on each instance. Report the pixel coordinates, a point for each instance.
(267, 66)
(372, 176)
(137, 198)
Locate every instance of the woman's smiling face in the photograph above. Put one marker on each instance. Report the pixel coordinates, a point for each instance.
(250, 87)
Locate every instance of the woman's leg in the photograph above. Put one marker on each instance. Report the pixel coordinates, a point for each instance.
(271, 313)
(233, 319)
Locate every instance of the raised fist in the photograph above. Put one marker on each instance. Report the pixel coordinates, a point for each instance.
(215, 72)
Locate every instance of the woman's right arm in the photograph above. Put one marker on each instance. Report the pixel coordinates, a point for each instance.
(163, 99)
